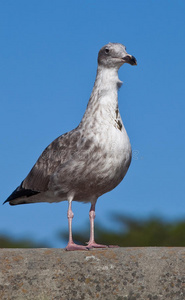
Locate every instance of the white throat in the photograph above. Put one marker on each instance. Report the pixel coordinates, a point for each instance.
(107, 79)
(103, 102)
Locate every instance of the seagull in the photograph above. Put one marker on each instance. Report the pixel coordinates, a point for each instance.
(92, 159)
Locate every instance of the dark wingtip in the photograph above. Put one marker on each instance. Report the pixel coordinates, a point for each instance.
(18, 193)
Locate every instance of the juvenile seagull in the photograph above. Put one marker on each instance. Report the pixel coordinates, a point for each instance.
(90, 160)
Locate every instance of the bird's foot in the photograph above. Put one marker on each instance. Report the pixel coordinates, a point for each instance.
(95, 245)
(72, 247)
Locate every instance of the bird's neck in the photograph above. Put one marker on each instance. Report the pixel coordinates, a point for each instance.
(104, 97)
(106, 80)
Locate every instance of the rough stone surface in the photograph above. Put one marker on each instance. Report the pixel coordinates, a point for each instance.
(120, 274)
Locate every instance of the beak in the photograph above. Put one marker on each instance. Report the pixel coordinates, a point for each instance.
(130, 60)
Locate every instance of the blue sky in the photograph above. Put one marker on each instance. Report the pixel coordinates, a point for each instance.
(48, 61)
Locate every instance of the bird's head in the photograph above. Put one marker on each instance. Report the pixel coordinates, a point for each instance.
(114, 55)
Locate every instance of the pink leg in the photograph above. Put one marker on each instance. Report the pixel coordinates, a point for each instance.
(71, 246)
(92, 243)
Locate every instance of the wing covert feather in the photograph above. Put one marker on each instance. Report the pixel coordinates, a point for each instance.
(57, 153)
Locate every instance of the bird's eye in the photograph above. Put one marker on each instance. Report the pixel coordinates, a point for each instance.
(106, 50)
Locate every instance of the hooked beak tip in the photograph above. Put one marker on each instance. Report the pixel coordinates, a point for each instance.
(130, 59)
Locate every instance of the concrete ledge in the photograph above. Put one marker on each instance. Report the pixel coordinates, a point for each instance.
(120, 274)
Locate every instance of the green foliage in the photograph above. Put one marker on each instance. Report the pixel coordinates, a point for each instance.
(136, 233)
(132, 233)
(7, 242)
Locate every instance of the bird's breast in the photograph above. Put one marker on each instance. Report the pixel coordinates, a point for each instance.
(117, 150)
(100, 161)
(110, 157)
